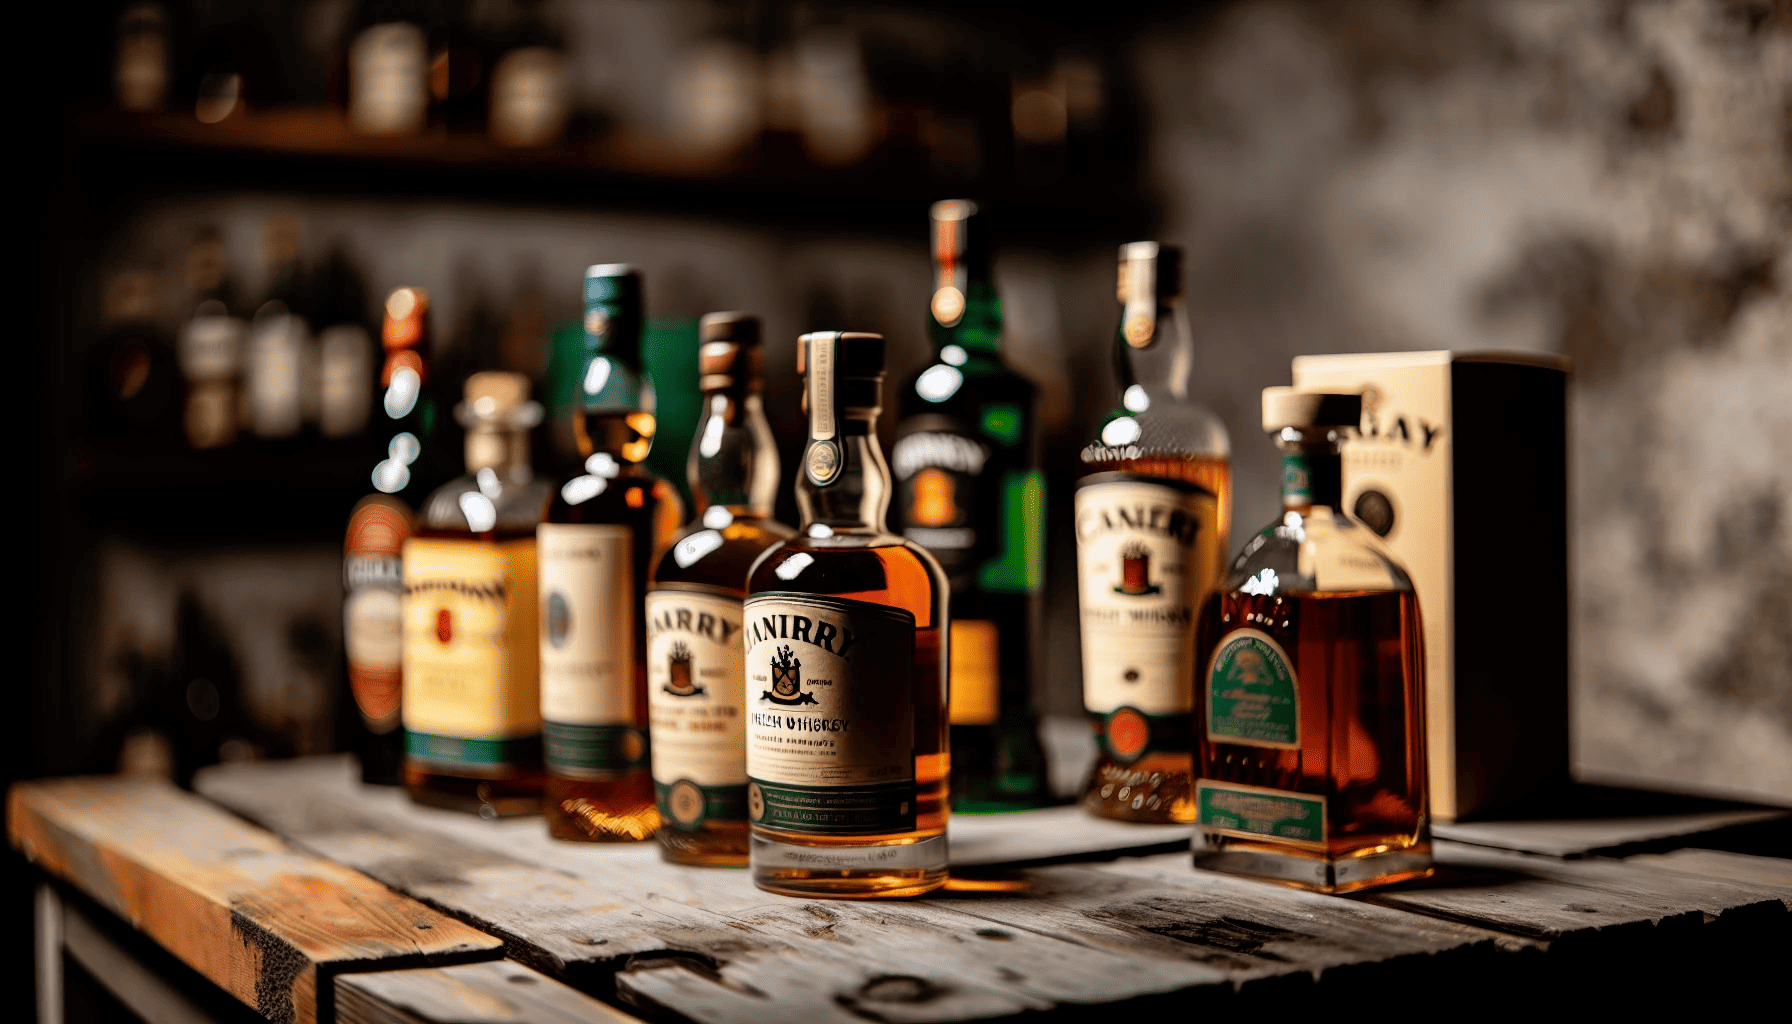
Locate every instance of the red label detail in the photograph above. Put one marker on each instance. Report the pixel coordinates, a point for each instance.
(444, 625)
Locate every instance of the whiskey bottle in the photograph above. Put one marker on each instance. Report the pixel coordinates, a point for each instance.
(373, 634)
(696, 668)
(472, 714)
(1312, 713)
(846, 643)
(414, 458)
(969, 490)
(1151, 515)
(211, 346)
(602, 533)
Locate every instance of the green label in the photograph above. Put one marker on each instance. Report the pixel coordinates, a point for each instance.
(833, 810)
(453, 751)
(685, 804)
(1297, 480)
(1020, 568)
(603, 748)
(1251, 811)
(1253, 696)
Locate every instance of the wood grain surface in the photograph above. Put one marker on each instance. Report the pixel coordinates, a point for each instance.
(267, 923)
(498, 992)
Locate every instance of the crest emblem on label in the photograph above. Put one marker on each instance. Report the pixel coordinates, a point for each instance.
(822, 462)
(755, 801)
(678, 671)
(596, 321)
(1138, 329)
(444, 625)
(1253, 696)
(1135, 572)
(787, 681)
(948, 306)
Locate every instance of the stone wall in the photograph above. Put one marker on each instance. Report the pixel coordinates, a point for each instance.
(1612, 181)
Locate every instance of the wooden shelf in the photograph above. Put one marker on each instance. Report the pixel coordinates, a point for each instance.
(770, 182)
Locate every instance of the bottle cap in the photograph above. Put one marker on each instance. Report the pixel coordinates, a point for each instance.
(406, 311)
(613, 304)
(728, 351)
(1285, 407)
(857, 355)
(498, 399)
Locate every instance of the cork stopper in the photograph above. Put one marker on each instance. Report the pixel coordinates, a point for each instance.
(1285, 407)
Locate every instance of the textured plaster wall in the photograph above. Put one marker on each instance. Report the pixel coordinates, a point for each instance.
(1612, 181)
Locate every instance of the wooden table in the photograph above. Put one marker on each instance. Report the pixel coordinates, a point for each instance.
(337, 901)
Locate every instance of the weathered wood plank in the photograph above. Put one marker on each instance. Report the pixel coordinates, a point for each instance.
(1581, 837)
(496, 992)
(704, 943)
(1053, 833)
(1547, 898)
(1770, 872)
(266, 923)
(707, 945)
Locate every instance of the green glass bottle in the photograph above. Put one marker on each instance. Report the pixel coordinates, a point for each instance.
(969, 490)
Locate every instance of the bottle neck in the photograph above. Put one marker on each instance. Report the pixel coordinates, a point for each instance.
(858, 499)
(1312, 471)
(978, 326)
(734, 461)
(1155, 349)
(504, 451)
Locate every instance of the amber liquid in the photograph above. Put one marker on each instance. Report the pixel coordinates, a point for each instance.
(490, 791)
(1358, 659)
(896, 575)
(1160, 786)
(617, 806)
(723, 571)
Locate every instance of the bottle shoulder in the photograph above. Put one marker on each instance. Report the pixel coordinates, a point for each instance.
(875, 568)
(1160, 425)
(700, 555)
(480, 503)
(983, 379)
(1320, 551)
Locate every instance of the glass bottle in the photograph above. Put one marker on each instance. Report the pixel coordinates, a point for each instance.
(1151, 511)
(695, 663)
(846, 639)
(373, 635)
(471, 710)
(969, 490)
(1312, 712)
(415, 458)
(603, 530)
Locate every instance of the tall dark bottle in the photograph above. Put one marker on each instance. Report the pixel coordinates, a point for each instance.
(969, 490)
(603, 531)
(696, 668)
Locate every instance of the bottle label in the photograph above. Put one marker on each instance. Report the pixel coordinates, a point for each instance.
(938, 477)
(1147, 554)
(976, 673)
(1253, 694)
(696, 685)
(830, 715)
(1297, 479)
(1020, 567)
(373, 609)
(1252, 812)
(470, 697)
(587, 648)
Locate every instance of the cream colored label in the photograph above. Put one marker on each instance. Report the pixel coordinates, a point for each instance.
(587, 624)
(1147, 554)
(696, 685)
(469, 614)
(976, 672)
(830, 691)
(1397, 480)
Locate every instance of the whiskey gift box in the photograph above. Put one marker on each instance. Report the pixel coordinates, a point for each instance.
(1461, 465)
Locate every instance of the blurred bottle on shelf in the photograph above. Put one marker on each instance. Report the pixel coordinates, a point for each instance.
(140, 76)
(280, 344)
(716, 99)
(1151, 510)
(344, 350)
(416, 458)
(970, 491)
(530, 91)
(470, 667)
(603, 531)
(134, 382)
(373, 635)
(388, 76)
(460, 63)
(817, 86)
(696, 669)
(211, 346)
